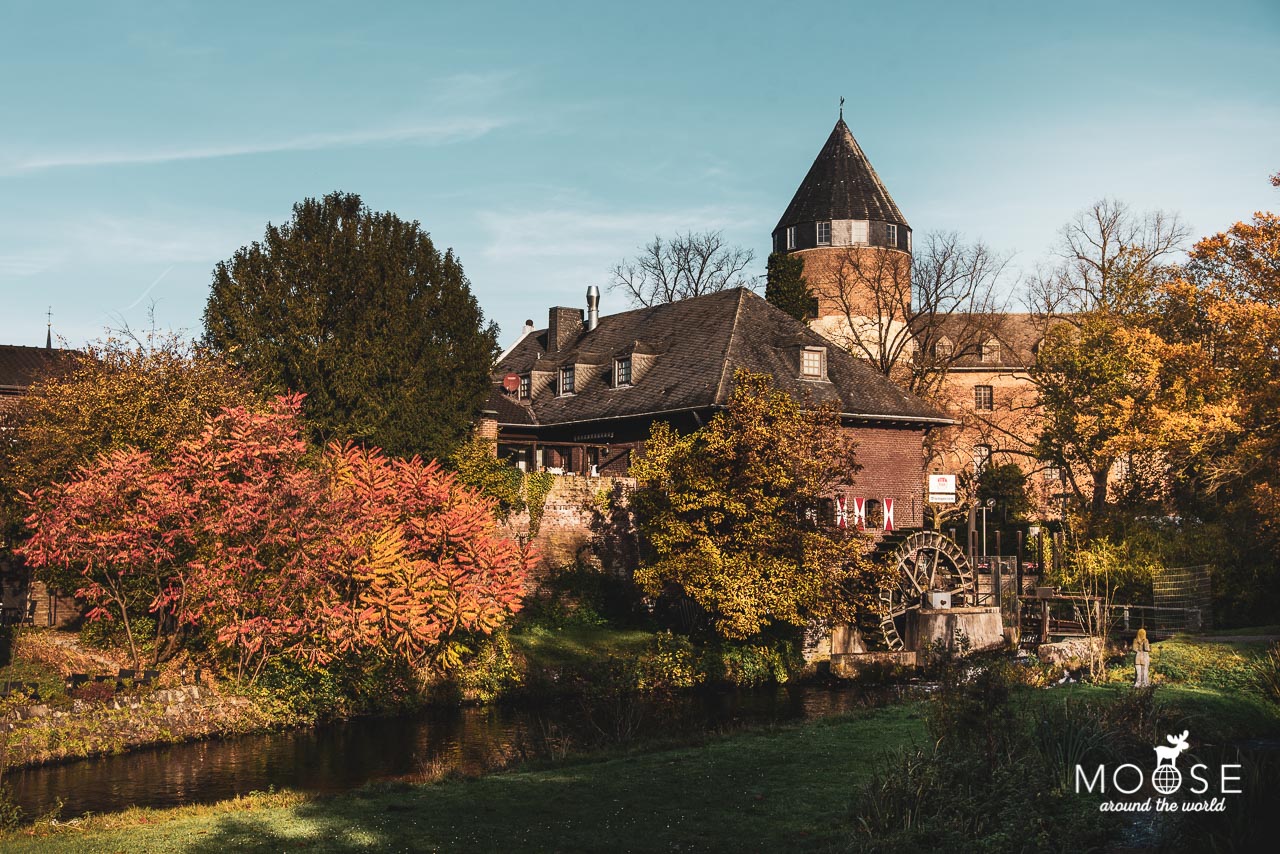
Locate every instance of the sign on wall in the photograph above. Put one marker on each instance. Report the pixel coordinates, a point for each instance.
(942, 489)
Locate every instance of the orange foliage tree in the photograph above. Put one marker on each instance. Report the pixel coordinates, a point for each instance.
(238, 536)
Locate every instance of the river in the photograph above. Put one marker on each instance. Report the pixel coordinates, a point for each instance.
(341, 756)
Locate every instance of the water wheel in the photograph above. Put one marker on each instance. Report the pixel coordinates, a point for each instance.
(924, 562)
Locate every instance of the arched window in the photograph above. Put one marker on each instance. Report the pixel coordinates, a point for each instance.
(991, 350)
(944, 348)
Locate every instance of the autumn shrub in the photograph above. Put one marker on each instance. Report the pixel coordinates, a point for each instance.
(247, 539)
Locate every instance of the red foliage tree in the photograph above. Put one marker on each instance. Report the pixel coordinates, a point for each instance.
(239, 536)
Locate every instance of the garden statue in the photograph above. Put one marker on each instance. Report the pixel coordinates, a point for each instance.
(1142, 660)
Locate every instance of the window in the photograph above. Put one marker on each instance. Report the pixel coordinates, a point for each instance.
(860, 233)
(991, 351)
(622, 371)
(944, 348)
(824, 234)
(891, 234)
(791, 237)
(811, 359)
(981, 456)
(983, 398)
(566, 380)
(908, 241)
(525, 387)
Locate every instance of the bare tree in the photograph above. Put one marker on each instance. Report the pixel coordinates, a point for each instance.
(1106, 256)
(914, 318)
(687, 265)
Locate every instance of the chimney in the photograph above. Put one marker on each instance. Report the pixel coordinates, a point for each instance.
(563, 326)
(593, 307)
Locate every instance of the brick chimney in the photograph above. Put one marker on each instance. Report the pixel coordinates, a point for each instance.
(563, 327)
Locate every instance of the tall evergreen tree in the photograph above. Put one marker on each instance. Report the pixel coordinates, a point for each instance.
(360, 311)
(787, 288)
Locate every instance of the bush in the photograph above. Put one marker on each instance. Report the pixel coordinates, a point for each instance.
(747, 665)
(94, 692)
(990, 782)
(668, 664)
(494, 671)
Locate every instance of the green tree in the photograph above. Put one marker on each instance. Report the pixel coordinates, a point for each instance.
(358, 310)
(729, 515)
(787, 288)
(1006, 484)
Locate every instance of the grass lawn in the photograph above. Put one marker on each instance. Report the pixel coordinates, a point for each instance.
(579, 646)
(775, 790)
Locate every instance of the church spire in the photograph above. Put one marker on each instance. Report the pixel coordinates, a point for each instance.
(48, 329)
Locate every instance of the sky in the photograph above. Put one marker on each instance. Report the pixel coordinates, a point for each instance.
(141, 143)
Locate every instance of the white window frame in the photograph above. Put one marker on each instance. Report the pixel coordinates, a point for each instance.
(821, 354)
(981, 458)
(891, 234)
(990, 398)
(822, 242)
(526, 387)
(791, 237)
(570, 372)
(618, 382)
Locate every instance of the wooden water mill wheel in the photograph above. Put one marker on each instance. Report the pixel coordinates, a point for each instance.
(924, 562)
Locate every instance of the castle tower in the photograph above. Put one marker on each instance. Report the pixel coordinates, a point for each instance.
(855, 243)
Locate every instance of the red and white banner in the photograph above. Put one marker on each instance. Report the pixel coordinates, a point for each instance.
(842, 514)
(888, 514)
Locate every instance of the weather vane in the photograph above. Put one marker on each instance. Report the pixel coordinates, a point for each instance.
(842, 106)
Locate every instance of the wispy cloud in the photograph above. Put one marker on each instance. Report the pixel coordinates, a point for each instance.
(434, 133)
(577, 232)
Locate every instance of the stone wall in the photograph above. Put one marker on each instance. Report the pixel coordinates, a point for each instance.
(577, 525)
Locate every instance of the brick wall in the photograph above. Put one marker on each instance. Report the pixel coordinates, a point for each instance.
(893, 466)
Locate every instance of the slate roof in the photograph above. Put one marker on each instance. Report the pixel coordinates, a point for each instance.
(699, 344)
(841, 184)
(19, 366)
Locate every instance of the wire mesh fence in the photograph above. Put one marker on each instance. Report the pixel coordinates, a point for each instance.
(1181, 588)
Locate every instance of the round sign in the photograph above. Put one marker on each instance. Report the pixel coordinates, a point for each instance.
(511, 382)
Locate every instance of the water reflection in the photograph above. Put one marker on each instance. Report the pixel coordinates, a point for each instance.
(344, 756)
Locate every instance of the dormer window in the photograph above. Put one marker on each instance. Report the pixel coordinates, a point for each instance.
(813, 362)
(944, 348)
(622, 371)
(824, 233)
(566, 380)
(791, 237)
(991, 351)
(891, 234)
(526, 387)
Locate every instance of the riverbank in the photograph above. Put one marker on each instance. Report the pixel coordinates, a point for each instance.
(534, 664)
(789, 787)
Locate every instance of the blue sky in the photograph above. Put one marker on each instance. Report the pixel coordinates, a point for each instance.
(140, 143)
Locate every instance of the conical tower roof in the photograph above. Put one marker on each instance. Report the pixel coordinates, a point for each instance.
(841, 185)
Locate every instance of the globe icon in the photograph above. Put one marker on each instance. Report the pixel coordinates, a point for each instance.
(1166, 779)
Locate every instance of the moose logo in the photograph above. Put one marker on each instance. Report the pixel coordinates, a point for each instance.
(1167, 779)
